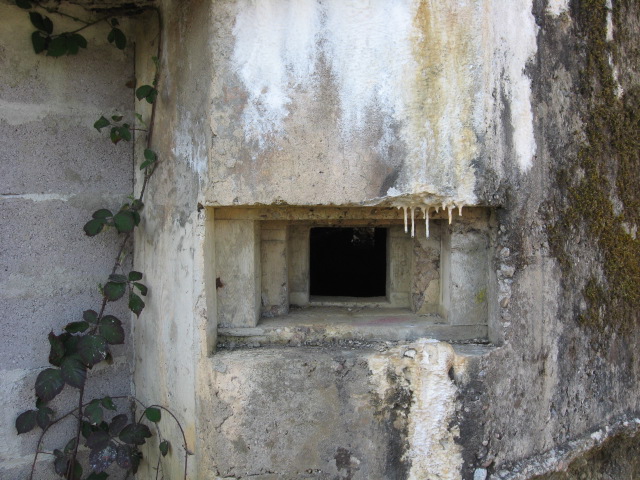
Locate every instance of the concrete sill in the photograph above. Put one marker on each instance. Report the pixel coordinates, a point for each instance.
(348, 325)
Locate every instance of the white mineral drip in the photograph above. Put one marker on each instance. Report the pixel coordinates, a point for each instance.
(450, 209)
(460, 205)
(426, 219)
(413, 227)
(405, 218)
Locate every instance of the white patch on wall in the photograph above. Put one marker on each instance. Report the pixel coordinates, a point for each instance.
(515, 31)
(278, 45)
(189, 146)
(557, 7)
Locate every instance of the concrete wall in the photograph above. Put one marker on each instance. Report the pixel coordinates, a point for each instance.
(55, 170)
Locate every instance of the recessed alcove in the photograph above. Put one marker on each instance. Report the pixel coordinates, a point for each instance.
(320, 274)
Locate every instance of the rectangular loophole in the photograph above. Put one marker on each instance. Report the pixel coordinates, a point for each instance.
(348, 262)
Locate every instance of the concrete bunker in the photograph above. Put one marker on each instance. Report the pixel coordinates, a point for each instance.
(437, 286)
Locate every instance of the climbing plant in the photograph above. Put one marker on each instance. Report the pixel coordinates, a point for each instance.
(110, 436)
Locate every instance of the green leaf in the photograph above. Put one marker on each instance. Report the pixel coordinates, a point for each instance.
(150, 155)
(136, 217)
(117, 278)
(143, 91)
(79, 40)
(135, 434)
(43, 417)
(153, 414)
(141, 287)
(117, 424)
(60, 464)
(136, 304)
(164, 448)
(39, 41)
(23, 4)
(77, 327)
(26, 421)
(125, 133)
(107, 402)
(74, 371)
(90, 316)
(114, 22)
(93, 412)
(111, 329)
(124, 221)
(86, 429)
(37, 21)
(70, 344)
(101, 123)
(97, 476)
(57, 47)
(140, 119)
(152, 96)
(57, 348)
(119, 38)
(98, 439)
(114, 291)
(70, 446)
(49, 384)
(137, 205)
(114, 135)
(116, 118)
(134, 276)
(48, 25)
(102, 213)
(72, 45)
(92, 349)
(93, 227)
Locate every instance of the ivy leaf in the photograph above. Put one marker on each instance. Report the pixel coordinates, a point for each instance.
(127, 458)
(58, 46)
(117, 278)
(86, 429)
(111, 329)
(114, 291)
(124, 221)
(114, 135)
(92, 349)
(150, 157)
(73, 47)
(114, 22)
(143, 91)
(153, 414)
(60, 464)
(135, 434)
(23, 4)
(57, 349)
(26, 421)
(39, 41)
(117, 37)
(100, 459)
(103, 213)
(100, 124)
(136, 304)
(116, 118)
(93, 412)
(164, 448)
(93, 227)
(107, 402)
(74, 371)
(37, 21)
(77, 327)
(70, 446)
(134, 276)
(117, 424)
(125, 133)
(90, 316)
(79, 40)
(98, 476)
(143, 288)
(43, 417)
(98, 439)
(49, 384)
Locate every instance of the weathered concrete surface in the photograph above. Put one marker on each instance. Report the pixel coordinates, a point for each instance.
(55, 170)
(333, 412)
(341, 103)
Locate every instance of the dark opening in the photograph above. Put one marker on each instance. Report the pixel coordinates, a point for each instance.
(348, 262)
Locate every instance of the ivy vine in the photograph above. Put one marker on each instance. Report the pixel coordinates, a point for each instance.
(111, 437)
